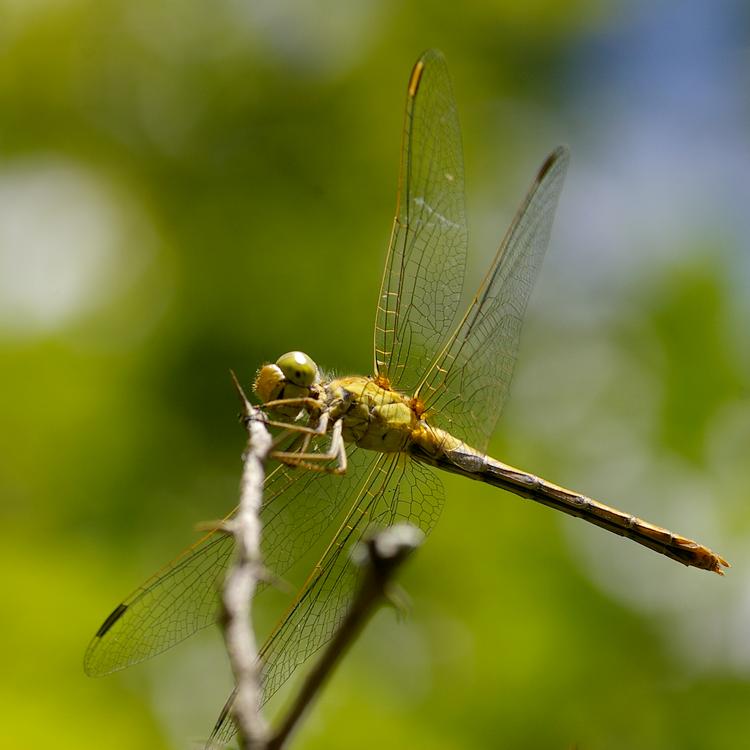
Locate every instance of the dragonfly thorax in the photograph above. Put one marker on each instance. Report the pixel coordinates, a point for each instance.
(373, 417)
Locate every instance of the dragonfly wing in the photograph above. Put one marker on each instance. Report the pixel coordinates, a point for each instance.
(396, 489)
(466, 386)
(294, 521)
(172, 605)
(424, 270)
(182, 597)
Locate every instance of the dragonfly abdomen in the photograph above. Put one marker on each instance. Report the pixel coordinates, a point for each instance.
(450, 454)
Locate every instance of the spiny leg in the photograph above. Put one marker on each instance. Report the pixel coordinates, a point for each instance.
(308, 432)
(317, 461)
(310, 405)
(313, 410)
(302, 458)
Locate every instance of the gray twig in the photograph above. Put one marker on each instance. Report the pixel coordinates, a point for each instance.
(380, 557)
(241, 580)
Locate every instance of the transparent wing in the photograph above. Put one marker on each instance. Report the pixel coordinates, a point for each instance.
(182, 597)
(424, 269)
(395, 489)
(465, 389)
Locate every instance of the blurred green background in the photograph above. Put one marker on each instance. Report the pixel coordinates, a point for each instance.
(189, 186)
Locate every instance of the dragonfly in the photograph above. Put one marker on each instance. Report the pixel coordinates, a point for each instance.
(362, 451)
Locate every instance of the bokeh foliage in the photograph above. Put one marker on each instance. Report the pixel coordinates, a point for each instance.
(187, 187)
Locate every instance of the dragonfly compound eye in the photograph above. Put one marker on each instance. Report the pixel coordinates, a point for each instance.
(298, 368)
(269, 383)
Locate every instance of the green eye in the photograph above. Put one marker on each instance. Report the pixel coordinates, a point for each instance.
(298, 368)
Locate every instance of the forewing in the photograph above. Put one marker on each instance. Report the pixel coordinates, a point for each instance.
(465, 389)
(182, 598)
(424, 269)
(396, 489)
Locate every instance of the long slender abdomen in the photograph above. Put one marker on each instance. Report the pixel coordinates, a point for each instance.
(447, 453)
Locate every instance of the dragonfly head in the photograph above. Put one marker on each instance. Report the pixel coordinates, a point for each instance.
(293, 375)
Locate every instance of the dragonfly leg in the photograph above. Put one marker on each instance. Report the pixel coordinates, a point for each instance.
(310, 405)
(318, 461)
(319, 429)
(291, 427)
